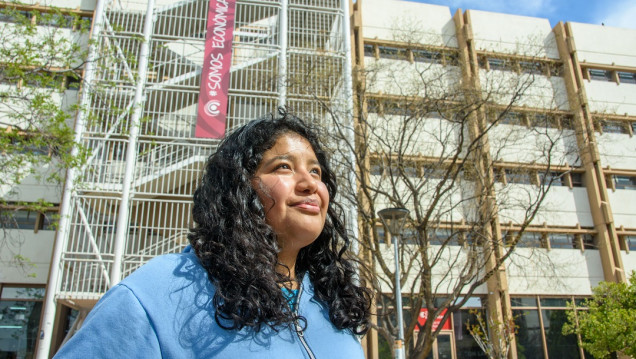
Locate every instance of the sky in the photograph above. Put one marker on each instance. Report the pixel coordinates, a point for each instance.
(617, 13)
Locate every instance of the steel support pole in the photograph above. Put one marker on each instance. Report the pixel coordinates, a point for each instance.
(399, 343)
(53, 283)
(282, 61)
(352, 220)
(121, 233)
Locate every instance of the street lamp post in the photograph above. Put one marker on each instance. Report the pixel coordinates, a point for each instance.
(394, 220)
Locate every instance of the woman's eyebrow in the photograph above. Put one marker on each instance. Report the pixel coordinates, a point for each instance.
(288, 157)
(285, 157)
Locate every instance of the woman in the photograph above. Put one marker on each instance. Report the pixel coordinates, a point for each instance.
(266, 274)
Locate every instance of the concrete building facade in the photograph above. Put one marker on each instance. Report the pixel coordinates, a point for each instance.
(584, 233)
(131, 201)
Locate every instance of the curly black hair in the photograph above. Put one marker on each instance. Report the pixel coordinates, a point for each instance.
(239, 249)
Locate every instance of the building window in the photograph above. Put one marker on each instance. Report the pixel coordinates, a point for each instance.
(387, 52)
(381, 234)
(20, 311)
(497, 64)
(541, 120)
(373, 105)
(539, 327)
(518, 177)
(511, 118)
(551, 178)
(434, 172)
(614, 127)
(376, 169)
(420, 55)
(588, 241)
(33, 220)
(369, 50)
(600, 75)
(626, 77)
(465, 345)
(624, 182)
(14, 16)
(527, 239)
(444, 236)
(630, 243)
(576, 179)
(531, 67)
(530, 239)
(561, 240)
(25, 219)
(528, 333)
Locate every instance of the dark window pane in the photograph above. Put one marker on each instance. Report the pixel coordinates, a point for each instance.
(614, 127)
(420, 55)
(588, 241)
(25, 219)
(516, 176)
(624, 182)
(391, 52)
(369, 50)
(497, 64)
(530, 67)
(410, 236)
(28, 293)
(48, 224)
(600, 75)
(559, 345)
(381, 235)
(443, 236)
(511, 118)
(444, 350)
(554, 302)
(577, 179)
(19, 321)
(530, 239)
(580, 302)
(465, 345)
(528, 334)
(561, 240)
(627, 77)
(551, 178)
(523, 302)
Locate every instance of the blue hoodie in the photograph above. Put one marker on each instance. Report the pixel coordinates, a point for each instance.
(164, 310)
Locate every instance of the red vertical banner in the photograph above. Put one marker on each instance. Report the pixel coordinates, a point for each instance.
(215, 75)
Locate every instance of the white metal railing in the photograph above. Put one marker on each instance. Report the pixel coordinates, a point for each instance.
(158, 245)
(167, 160)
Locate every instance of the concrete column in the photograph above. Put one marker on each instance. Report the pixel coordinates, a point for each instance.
(606, 236)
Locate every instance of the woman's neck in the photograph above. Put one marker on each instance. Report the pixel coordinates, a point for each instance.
(287, 267)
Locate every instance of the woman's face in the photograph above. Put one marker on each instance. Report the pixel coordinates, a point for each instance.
(288, 183)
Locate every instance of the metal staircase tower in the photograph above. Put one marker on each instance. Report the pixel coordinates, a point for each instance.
(132, 200)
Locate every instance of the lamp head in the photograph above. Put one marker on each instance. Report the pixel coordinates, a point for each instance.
(394, 219)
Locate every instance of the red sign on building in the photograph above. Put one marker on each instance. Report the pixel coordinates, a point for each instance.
(215, 75)
(421, 320)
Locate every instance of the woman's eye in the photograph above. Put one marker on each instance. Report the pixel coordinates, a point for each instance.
(317, 171)
(283, 166)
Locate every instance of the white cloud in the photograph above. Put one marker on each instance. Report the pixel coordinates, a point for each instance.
(621, 14)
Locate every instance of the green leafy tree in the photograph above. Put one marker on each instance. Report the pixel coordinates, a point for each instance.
(41, 57)
(608, 327)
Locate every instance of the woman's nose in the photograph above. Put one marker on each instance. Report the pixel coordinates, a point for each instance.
(306, 182)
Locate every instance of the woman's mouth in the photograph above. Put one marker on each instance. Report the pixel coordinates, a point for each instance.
(309, 205)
